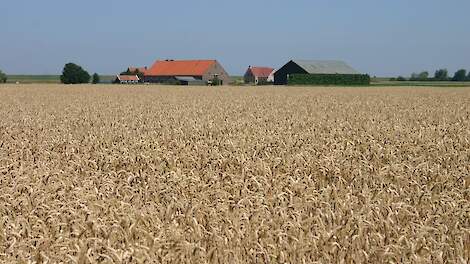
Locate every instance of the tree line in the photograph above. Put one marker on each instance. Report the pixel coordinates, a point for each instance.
(71, 74)
(439, 75)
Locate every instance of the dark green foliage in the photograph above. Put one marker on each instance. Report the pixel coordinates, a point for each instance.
(468, 77)
(460, 76)
(3, 77)
(423, 76)
(215, 81)
(329, 79)
(95, 78)
(401, 79)
(127, 72)
(74, 74)
(441, 75)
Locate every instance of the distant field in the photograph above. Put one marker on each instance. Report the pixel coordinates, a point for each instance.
(419, 83)
(384, 81)
(237, 80)
(147, 173)
(29, 79)
(33, 78)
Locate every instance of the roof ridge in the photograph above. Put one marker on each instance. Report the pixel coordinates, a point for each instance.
(171, 60)
(318, 60)
(326, 66)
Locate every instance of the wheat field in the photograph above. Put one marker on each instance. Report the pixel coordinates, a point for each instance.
(157, 174)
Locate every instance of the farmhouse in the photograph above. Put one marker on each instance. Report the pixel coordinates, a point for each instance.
(311, 67)
(259, 75)
(127, 79)
(186, 71)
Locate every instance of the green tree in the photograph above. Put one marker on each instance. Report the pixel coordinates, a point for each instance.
(74, 74)
(215, 81)
(441, 75)
(468, 76)
(401, 79)
(95, 78)
(126, 72)
(3, 77)
(460, 75)
(423, 76)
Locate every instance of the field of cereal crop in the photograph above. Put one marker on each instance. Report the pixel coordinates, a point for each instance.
(143, 174)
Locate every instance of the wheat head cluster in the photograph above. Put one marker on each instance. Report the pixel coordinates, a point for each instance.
(149, 174)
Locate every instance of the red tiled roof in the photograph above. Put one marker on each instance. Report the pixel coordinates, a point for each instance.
(128, 77)
(261, 71)
(180, 68)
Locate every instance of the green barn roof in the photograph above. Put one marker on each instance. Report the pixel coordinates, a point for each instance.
(325, 67)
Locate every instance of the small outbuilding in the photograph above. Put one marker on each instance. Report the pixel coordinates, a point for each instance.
(127, 79)
(259, 75)
(324, 67)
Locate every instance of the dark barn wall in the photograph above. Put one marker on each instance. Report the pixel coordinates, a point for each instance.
(329, 79)
(166, 79)
(159, 79)
(280, 76)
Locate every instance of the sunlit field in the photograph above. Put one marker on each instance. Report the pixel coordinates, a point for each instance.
(162, 174)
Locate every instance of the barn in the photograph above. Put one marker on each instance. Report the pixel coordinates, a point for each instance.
(259, 75)
(325, 67)
(173, 71)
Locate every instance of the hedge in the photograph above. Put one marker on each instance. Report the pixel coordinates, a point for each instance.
(329, 79)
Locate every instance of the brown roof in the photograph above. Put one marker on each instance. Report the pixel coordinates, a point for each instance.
(261, 71)
(141, 69)
(128, 78)
(180, 68)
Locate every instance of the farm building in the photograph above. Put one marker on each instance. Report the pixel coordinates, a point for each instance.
(171, 71)
(259, 75)
(281, 76)
(127, 79)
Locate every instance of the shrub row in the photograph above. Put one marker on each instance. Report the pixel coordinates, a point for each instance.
(329, 79)
(3, 77)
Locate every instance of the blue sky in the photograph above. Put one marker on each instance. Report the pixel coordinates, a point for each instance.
(379, 37)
